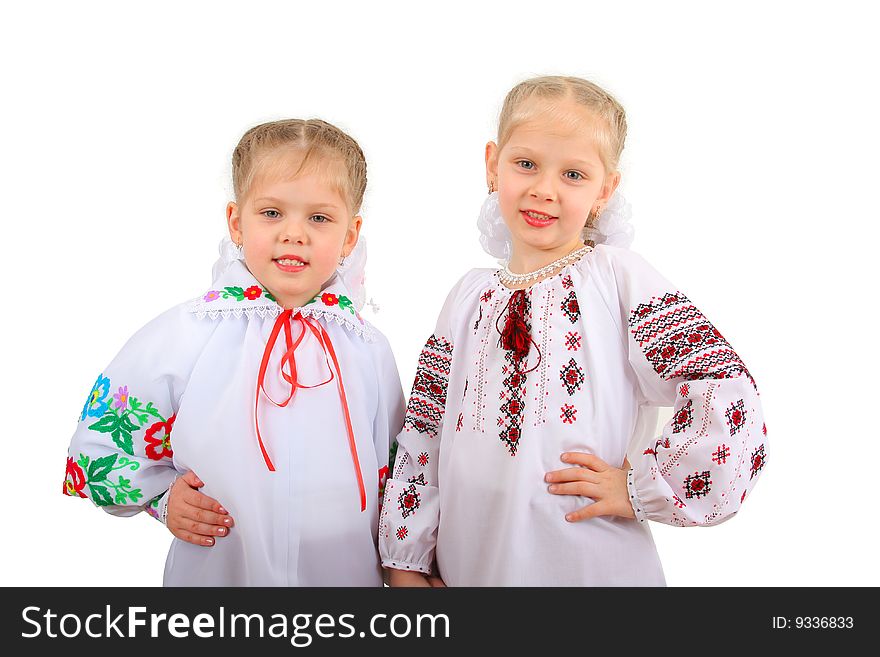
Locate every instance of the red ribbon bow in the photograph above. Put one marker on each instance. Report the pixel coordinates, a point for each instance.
(308, 325)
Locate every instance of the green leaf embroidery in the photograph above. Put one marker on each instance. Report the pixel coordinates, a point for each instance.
(100, 495)
(107, 424)
(124, 441)
(134, 404)
(83, 461)
(126, 424)
(100, 468)
(236, 292)
(135, 494)
(268, 295)
(152, 410)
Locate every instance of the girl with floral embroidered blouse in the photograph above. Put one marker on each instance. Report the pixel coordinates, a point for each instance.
(269, 391)
(528, 455)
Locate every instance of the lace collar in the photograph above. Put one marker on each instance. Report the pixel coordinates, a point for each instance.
(236, 292)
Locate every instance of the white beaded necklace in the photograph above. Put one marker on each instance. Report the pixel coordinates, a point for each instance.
(510, 279)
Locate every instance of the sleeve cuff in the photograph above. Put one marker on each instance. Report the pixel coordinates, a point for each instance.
(158, 507)
(403, 565)
(638, 509)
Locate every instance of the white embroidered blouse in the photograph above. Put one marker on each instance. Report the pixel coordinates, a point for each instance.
(181, 395)
(612, 341)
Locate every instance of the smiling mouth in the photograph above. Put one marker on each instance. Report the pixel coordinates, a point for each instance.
(537, 219)
(291, 265)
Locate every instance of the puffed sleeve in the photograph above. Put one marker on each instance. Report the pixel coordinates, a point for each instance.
(120, 456)
(411, 509)
(713, 449)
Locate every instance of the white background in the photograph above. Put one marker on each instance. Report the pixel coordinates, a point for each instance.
(750, 166)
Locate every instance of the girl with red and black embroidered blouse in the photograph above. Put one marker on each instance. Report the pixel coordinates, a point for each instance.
(529, 454)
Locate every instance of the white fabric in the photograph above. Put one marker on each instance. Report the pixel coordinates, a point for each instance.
(301, 525)
(614, 227)
(458, 494)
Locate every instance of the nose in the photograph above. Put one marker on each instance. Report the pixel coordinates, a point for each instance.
(542, 188)
(292, 231)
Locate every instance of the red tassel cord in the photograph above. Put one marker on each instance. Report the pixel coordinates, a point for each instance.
(516, 336)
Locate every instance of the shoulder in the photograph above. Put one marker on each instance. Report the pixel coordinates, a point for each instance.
(472, 284)
(615, 268)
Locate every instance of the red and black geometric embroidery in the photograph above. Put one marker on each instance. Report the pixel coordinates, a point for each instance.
(684, 390)
(418, 479)
(513, 391)
(720, 455)
(697, 485)
(572, 341)
(758, 461)
(479, 319)
(676, 500)
(427, 402)
(684, 417)
(572, 376)
(459, 422)
(402, 531)
(408, 501)
(568, 414)
(736, 416)
(680, 342)
(423, 459)
(487, 295)
(570, 307)
(567, 282)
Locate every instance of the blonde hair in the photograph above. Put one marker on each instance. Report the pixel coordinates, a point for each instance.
(315, 145)
(520, 106)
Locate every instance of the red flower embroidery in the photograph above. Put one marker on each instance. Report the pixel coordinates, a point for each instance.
(158, 438)
(74, 479)
(329, 299)
(253, 292)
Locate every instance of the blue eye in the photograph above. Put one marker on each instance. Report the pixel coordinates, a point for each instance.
(525, 164)
(574, 175)
(271, 214)
(320, 218)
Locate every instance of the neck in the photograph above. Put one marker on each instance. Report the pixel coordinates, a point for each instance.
(527, 259)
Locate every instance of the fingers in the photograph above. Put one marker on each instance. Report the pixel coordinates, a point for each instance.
(575, 488)
(192, 480)
(586, 460)
(195, 539)
(204, 503)
(572, 474)
(587, 512)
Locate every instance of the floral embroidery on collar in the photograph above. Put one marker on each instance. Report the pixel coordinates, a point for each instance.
(330, 299)
(238, 293)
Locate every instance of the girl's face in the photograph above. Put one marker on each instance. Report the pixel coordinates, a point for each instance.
(549, 178)
(293, 233)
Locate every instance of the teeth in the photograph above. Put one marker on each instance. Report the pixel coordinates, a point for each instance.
(290, 263)
(535, 215)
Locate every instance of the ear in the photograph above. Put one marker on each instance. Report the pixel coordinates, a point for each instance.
(611, 183)
(491, 164)
(233, 221)
(351, 236)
